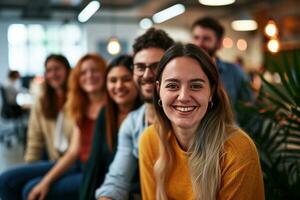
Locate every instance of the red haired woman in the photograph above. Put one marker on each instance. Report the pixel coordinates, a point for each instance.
(86, 97)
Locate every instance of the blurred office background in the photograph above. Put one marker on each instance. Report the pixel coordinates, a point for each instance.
(32, 29)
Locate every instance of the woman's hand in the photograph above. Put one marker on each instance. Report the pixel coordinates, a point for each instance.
(39, 192)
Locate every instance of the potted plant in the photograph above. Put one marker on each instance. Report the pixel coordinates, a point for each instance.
(274, 125)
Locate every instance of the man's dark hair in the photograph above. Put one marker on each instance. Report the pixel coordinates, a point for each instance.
(152, 38)
(211, 23)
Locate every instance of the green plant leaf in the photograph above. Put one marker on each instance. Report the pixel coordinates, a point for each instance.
(277, 92)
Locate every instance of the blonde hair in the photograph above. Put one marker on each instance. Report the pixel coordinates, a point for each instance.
(77, 98)
(206, 150)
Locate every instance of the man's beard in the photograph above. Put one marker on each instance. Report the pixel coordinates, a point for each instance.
(211, 52)
(146, 99)
(141, 83)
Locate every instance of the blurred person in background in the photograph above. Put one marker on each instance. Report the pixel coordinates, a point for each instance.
(122, 98)
(86, 97)
(207, 33)
(9, 91)
(12, 86)
(42, 130)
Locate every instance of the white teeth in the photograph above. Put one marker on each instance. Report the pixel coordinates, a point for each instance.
(185, 108)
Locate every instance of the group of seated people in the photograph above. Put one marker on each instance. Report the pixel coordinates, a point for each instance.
(155, 125)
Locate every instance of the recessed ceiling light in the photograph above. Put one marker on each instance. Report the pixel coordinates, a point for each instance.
(146, 23)
(271, 29)
(227, 42)
(216, 2)
(244, 25)
(241, 44)
(273, 46)
(168, 13)
(88, 11)
(113, 46)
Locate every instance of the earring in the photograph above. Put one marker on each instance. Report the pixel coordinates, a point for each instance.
(159, 103)
(211, 104)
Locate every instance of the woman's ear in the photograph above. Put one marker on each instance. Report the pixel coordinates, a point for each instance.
(157, 87)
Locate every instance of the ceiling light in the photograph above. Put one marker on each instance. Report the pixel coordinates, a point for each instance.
(244, 25)
(168, 13)
(146, 23)
(216, 2)
(271, 29)
(227, 42)
(241, 44)
(88, 11)
(113, 46)
(273, 46)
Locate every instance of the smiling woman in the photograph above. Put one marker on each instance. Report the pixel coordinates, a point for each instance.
(86, 97)
(122, 98)
(46, 116)
(185, 96)
(201, 154)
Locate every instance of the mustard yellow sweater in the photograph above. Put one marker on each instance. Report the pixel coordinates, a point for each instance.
(241, 172)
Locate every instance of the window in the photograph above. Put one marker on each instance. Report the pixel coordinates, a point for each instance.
(29, 45)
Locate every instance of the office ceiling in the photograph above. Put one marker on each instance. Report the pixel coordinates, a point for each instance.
(286, 12)
(46, 9)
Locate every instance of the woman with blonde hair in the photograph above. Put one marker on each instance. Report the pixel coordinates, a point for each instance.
(86, 98)
(194, 150)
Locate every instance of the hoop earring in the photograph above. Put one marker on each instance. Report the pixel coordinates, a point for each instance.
(159, 102)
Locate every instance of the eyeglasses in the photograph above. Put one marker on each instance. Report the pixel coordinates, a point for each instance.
(140, 68)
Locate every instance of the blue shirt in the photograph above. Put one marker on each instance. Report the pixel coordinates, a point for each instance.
(117, 181)
(235, 81)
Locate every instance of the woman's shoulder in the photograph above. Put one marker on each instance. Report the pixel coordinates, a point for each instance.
(149, 143)
(240, 145)
(150, 135)
(36, 106)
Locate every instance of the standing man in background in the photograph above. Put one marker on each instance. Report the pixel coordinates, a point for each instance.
(208, 33)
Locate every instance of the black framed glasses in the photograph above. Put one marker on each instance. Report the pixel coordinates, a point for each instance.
(140, 68)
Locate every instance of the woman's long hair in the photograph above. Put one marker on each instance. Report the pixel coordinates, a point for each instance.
(112, 107)
(77, 102)
(206, 149)
(49, 101)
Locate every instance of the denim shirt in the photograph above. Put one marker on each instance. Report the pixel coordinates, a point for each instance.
(117, 181)
(235, 81)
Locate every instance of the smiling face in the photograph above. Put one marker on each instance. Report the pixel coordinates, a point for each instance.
(185, 92)
(146, 82)
(120, 86)
(55, 74)
(91, 79)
